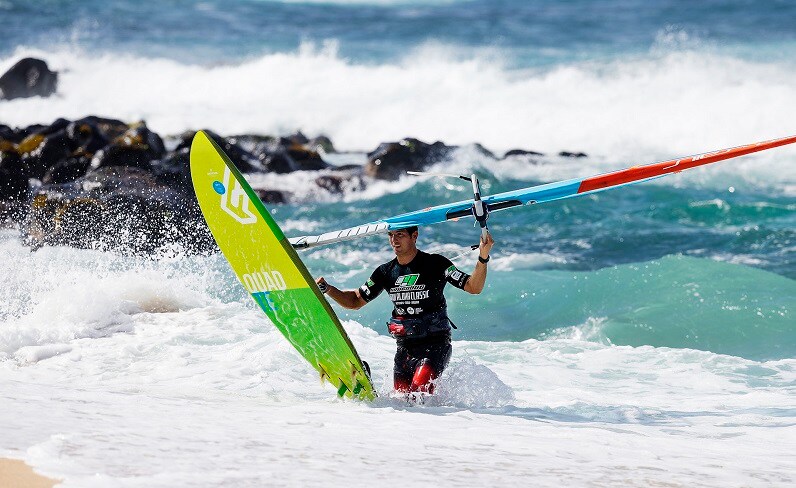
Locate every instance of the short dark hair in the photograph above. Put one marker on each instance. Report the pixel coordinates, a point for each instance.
(411, 230)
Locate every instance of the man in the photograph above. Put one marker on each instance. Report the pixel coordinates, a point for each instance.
(419, 322)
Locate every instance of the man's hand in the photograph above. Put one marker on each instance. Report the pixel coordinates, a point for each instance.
(347, 298)
(486, 245)
(475, 284)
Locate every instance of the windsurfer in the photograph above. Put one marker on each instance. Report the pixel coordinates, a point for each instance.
(414, 281)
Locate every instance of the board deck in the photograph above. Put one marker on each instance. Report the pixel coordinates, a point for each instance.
(271, 271)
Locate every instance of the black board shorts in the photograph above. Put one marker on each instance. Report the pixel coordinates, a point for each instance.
(410, 354)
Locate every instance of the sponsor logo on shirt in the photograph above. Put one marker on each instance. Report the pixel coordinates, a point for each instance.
(408, 296)
(453, 273)
(407, 280)
(365, 290)
(406, 290)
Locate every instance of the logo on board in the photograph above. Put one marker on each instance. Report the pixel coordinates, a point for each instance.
(261, 283)
(234, 200)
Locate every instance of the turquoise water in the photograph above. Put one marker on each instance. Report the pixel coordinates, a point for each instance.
(703, 260)
(525, 33)
(644, 265)
(639, 337)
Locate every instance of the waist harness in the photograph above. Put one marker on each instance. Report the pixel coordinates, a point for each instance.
(426, 325)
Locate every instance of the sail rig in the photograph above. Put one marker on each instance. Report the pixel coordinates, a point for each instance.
(536, 194)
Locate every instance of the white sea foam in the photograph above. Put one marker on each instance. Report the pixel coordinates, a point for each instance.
(590, 331)
(190, 385)
(624, 113)
(634, 110)
(117, 372)
(58, 295)
(514, 261)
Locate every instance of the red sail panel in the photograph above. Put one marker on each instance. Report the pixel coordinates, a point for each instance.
(637, 173)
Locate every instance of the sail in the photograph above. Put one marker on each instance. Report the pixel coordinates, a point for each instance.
(536, 194)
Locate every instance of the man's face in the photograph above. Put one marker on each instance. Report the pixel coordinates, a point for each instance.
(402, 241)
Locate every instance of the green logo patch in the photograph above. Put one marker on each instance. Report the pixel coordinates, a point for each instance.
(407, 280)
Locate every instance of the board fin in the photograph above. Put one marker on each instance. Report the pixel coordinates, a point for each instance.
(323, 373)
(343, 388)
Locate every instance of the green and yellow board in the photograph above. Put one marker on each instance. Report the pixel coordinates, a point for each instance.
(271, 271)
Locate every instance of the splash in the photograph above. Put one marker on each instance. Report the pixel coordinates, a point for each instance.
(635, 109)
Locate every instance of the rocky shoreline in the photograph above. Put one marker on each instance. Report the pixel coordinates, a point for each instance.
(106, 184)
(102, 183)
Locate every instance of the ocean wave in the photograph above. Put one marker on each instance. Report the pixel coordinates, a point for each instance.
(632, 110)
(677, 302)
(57, 295)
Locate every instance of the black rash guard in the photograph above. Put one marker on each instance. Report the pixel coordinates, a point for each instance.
(415, 288)
(420, 312)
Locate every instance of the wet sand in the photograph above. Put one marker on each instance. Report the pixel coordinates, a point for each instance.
(16, 474)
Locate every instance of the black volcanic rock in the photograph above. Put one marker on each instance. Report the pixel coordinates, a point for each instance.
(320, 143)
(29, 77)
(57, 126)
(244, 160)
(270, 196)
(136, 147)
(306, 159)
(134, 156)
(339, 182)
(521, 152)
(109, 129)
(87, 136)
(11, 161)
(7, 134)
(297, 139)
(567, 154)
(67, 170)
(278, 161)
(109, 185)
(392, 159)
(174, 170)
(14, 187)
(13, 177)
(280, 155)
(41, 151)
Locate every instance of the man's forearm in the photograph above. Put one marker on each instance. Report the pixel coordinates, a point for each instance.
(346, 298)
(477, 280)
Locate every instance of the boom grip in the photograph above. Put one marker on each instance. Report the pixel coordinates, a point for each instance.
(480, 209)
